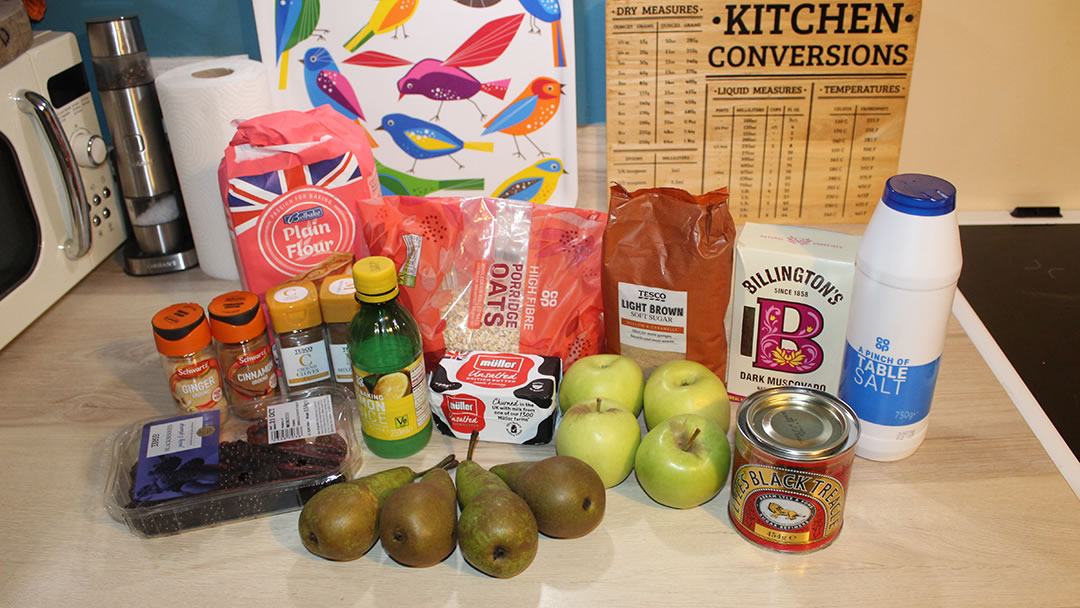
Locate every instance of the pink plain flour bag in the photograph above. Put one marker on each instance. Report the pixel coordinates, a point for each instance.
(289, 182)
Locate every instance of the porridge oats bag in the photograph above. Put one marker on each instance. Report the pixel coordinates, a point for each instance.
(289, 182)
(493, 274)
(667, 276)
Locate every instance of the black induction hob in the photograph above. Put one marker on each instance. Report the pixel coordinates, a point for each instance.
(1023, 281)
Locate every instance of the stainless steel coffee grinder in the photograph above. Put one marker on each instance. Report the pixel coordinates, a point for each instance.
(162, 239)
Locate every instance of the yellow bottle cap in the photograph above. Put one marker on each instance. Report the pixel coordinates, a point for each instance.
(337, 297)
(375, 278)
(294, 305)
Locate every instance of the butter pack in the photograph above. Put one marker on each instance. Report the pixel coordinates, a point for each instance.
(506, 397)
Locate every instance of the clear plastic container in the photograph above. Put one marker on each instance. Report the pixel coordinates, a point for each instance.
(176, 473)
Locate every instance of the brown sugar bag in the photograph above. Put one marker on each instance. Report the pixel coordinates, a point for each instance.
(667, 276)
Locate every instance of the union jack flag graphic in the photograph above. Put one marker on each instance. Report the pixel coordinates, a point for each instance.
(249, 196)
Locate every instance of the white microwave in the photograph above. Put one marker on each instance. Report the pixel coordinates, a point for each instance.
(60, 210)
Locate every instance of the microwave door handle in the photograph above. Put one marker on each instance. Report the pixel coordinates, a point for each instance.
(78, 243)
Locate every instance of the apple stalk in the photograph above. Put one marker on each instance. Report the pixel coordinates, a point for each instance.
(686, 448)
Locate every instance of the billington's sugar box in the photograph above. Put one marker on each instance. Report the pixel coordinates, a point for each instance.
(789, 308)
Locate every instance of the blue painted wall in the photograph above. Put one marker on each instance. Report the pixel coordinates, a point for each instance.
(591, 60)
(227, 27)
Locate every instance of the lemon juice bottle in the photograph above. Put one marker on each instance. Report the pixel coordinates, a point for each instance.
(388, 364)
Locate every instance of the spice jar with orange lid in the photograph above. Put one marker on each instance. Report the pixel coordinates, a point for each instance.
(182, 336)
(297, 320)
(238, 326)
(337, 299)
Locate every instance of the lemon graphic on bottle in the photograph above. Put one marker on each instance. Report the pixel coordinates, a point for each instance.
(392, 386)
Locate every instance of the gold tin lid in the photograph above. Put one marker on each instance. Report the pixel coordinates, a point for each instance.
(337, 297)
(798, 423)
(294, 306)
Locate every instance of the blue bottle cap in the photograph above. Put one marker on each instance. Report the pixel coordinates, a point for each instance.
(917, 194)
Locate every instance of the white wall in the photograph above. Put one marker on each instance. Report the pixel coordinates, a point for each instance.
(993, 105)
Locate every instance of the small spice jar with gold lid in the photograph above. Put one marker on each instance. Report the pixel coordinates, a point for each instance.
(238, 325)
(297, 320)
(337, 299)
(182, 336)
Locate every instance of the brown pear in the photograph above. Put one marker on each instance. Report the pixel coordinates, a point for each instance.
(497, 531)
(341, 522)
(564, 493)
(418, 523)
(338, 523)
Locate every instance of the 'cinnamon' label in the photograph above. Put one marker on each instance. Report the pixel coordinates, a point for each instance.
(252, 374)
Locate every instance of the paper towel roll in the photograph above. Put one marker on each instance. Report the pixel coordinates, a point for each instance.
(199, 101)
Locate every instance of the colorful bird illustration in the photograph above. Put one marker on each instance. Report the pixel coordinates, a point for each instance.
(444, 81)
(536, 105)
(421, 139)
(548, 11)
(294, 20)
(326, 85)
(389, 15)
(401, 183)
(535, 183)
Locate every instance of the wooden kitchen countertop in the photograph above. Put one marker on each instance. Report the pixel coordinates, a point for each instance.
(978, 516)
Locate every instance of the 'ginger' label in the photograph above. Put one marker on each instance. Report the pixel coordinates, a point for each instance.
(197, 386)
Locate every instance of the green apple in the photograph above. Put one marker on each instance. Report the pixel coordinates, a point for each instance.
(604, 434)
(684, 461)
(609, 376)
(685, 387)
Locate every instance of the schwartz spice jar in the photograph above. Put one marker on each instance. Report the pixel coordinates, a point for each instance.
(794, 448)
(247, 363)
(182, 336)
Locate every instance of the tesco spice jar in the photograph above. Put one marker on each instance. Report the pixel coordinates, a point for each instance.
(297, 320)
(182, 336)
(337, 299)
(794, 448)
(238, 326)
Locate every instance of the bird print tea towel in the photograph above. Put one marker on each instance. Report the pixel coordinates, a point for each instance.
(456, 97)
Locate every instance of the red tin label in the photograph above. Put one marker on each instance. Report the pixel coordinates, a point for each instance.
(788, 505)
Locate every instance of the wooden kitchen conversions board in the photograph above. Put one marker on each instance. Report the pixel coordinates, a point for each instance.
(797, 108)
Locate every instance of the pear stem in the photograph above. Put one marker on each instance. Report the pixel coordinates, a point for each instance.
(472, 444)
(446, 463)
(686, 448)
